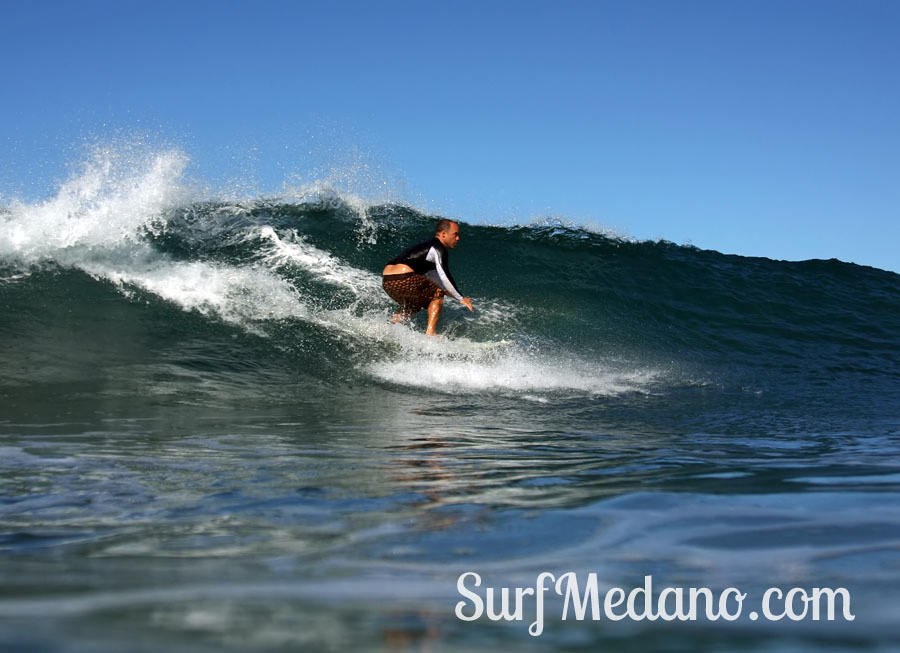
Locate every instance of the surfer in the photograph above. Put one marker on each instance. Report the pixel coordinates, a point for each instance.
(420, 277)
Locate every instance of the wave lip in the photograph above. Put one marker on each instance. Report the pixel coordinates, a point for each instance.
(107, 204)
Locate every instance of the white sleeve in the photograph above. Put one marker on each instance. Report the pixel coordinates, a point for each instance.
(439, 276)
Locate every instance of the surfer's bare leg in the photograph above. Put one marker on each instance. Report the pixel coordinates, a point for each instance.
(434, 312)
(399, 316)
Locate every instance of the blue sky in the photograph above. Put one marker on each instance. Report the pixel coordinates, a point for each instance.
(756, 127)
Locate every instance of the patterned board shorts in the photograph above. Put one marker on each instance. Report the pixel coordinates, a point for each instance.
(412, 291)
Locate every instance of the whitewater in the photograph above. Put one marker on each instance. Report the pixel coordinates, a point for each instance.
(213, 438)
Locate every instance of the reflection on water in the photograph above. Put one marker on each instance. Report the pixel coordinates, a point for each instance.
(276, 532)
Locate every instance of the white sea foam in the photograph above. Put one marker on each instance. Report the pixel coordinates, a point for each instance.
(96, 223)
(464, 366)
(292, 249)
(240, 295)
(508, 374)
(104, 206)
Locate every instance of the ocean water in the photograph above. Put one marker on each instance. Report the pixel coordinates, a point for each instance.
(212, 438)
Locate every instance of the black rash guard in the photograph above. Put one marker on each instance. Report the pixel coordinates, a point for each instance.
(430, 259)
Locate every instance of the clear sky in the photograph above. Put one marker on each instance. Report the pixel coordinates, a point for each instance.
(756, 127)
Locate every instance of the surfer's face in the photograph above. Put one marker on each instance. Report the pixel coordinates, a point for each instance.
(450, 237)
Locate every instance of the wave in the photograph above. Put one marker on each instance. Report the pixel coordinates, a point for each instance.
(575, 310)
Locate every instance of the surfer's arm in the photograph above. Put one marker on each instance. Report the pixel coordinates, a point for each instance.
(442, 277)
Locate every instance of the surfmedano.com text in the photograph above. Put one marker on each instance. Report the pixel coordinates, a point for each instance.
(583, 601)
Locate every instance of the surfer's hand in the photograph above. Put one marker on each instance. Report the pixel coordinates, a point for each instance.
(467, 303)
